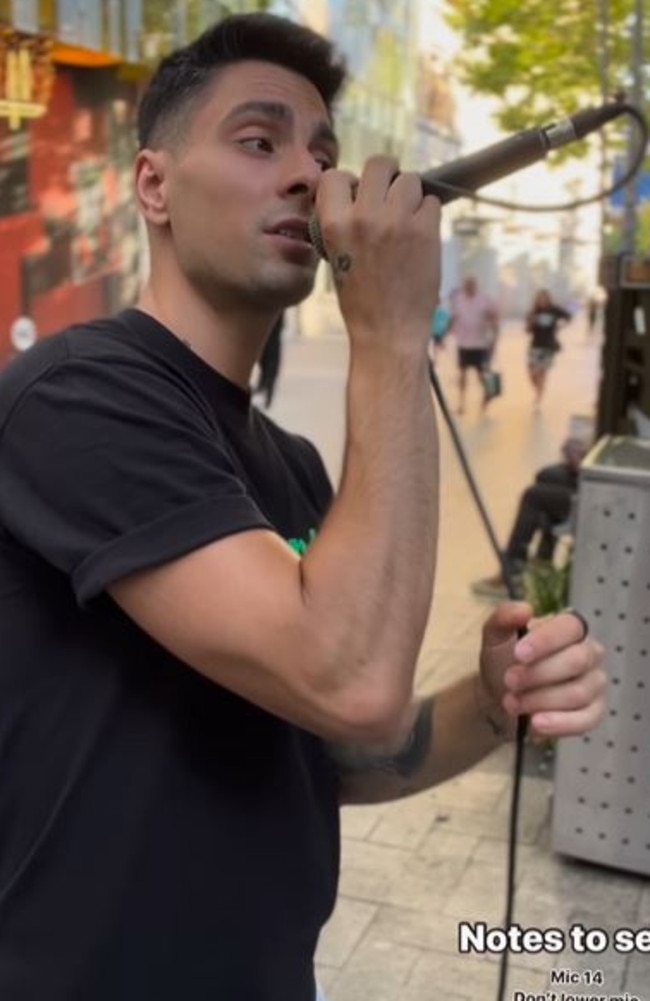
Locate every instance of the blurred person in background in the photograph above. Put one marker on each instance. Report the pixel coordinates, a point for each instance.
(542, 324)
(440, 320)
(543, 507)
(269, 363)
(475, 325)
(595, 307)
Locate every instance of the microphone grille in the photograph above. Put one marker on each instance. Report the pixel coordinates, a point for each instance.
(316, 237)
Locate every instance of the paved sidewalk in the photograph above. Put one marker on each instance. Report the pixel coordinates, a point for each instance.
(412, 871)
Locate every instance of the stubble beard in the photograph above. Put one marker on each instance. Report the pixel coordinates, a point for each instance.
(254, 279)
(263, 292)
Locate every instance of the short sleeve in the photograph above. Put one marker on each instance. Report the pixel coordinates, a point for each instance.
(108, 469)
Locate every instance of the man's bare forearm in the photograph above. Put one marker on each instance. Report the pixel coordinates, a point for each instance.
(448, 734)
(368, 577)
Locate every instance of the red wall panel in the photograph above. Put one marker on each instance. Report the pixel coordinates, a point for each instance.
(67, 216)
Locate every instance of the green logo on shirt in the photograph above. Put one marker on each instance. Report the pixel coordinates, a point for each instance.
(301, 546)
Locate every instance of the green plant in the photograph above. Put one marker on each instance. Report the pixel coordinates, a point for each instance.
(547, 587)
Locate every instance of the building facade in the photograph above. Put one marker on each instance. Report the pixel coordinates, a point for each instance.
(398, 101)
(70, 74)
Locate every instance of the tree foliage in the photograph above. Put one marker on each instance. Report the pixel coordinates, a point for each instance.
(542, 60)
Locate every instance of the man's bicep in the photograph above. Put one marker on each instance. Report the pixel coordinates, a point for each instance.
(233, 610)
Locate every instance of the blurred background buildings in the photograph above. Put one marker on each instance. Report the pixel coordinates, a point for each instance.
(70, 73)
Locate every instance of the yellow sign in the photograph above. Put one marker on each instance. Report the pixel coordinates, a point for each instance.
(26, 77)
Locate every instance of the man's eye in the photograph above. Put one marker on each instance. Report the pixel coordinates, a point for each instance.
(260, 143)
(324, 162)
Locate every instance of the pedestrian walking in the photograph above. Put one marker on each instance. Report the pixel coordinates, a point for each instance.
(542, 323)
(475, 325)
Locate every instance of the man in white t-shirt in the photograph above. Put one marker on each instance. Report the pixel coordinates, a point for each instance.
(475, 324)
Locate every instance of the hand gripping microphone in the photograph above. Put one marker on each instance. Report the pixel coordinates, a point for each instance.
(461, 177)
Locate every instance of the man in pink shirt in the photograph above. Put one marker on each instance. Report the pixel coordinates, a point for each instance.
(475, 324)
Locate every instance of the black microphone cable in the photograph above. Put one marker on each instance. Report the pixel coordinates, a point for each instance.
(522, 721)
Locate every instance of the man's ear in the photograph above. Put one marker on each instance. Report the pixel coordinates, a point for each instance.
(151, 185)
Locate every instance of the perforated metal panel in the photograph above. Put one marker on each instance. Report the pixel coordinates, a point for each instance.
(602, 781)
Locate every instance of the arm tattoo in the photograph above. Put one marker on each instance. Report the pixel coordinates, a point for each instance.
(355, 759)
(340, 265)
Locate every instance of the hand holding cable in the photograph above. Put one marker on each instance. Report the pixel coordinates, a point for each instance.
(552, 673)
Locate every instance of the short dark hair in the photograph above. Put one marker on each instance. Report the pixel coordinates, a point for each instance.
(184, 75)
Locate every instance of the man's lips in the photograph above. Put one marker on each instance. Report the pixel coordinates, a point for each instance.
(292, 229)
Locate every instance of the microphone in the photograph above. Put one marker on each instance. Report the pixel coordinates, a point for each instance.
(462, 177)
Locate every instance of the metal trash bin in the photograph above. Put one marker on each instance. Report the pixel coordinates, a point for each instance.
(601, 810)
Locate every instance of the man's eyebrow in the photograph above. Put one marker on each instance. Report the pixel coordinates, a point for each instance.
(281, 113)
(325, 133)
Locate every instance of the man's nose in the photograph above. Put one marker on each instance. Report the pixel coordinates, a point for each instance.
(303, 173)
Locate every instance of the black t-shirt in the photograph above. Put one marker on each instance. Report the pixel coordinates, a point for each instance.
(160, 837)
(543, 324)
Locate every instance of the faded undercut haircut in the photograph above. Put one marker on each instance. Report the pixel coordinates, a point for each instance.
(183, 77)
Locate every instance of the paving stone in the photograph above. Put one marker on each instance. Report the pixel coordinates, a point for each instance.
(359, 821)
(494, 851)
(476, 790)
(430, 929)
(367, 855)
(425, 885)
(501, 760)
(368, 870)
(637, 978)
(359, 884)
(479, 895)
(344, 930)
(362, 987)
(326, 975)
(442, 844)
(609, 897)
(413, 993)
(487, 824)
(357, 988)
(534, 806)
(378, 966)
(453, 633)
(405, 824)
(644, 906)
(439, 667)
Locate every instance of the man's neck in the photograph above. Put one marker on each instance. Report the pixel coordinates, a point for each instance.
(229, 343)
